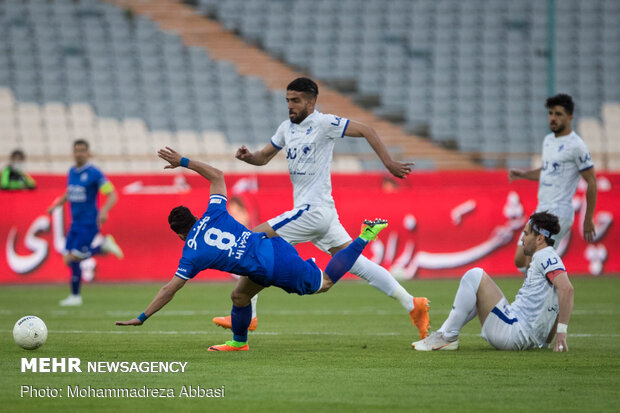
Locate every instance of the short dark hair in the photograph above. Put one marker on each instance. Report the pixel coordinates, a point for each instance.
(81, 142)
(561, 99)
(181, 220)
(545, 220)
(18, 152)
(305, 85)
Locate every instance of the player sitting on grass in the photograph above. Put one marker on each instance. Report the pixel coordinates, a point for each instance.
(218, 241)
(546, 298)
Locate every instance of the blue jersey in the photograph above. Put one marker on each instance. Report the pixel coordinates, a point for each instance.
(82, 188)
(218, 241)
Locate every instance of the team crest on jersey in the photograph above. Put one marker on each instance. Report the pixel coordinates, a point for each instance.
(553, 168)
(307, 153)
(83, 176)
(309, 131)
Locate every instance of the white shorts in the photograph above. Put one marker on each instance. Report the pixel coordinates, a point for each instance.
(566, 223)
(503, 330)
(317, 224)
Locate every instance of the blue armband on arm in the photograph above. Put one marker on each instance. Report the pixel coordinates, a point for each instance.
(142, 317)
(184, 162)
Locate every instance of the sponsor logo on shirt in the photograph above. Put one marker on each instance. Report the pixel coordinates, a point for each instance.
(336, 121)
(76, 193)
(550, 262)
(585, 158)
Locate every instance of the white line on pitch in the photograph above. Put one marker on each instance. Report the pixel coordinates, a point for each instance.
(127, 330)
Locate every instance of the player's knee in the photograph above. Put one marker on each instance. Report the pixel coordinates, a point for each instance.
(473, 277)
(239, 298)
(519, 261)
(327, 284)
(69, 258)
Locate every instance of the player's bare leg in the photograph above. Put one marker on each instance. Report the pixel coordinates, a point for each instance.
(239, 295)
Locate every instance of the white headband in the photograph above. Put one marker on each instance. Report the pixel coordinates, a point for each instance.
(542, 231)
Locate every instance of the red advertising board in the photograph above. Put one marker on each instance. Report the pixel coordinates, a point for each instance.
(441, 224)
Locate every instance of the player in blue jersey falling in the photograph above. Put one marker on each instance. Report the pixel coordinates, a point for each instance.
(308, 137)
(84, 182)
(218, 241)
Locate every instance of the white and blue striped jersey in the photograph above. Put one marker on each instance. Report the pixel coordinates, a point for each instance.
(536, 304)
(563, 159)
(309, 150)
(218, 241)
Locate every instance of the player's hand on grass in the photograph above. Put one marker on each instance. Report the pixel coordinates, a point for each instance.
(560, 343)
(243, 153)
(399, 169)
(171, 156)
(588, 230)
(133, 322)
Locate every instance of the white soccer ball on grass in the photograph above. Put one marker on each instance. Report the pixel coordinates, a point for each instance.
(30, 332)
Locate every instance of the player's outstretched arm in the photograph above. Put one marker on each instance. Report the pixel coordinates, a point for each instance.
(214, 175)
(531, 175)
(566, 296)
(57, 202)
(396, 168)
(259, 158)
(163, 297)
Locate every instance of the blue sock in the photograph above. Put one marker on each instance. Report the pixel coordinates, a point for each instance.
(343, 260)
(240, 318)
(76, 277)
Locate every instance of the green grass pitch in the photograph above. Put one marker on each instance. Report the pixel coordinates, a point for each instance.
(347, 350)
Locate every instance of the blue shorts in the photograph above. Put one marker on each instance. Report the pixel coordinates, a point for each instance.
(79, 240)
(290, 272)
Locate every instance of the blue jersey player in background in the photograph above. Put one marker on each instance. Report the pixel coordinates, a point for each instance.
(218, 241)
(84, 183)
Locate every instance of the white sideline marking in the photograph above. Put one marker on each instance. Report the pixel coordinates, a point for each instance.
(128, 330)
(363, 311)
(360, 311)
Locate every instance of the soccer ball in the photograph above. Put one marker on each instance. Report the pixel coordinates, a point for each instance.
(30, 332)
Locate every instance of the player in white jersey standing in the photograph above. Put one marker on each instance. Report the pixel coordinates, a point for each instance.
(565, 159)
(546, 298)
(309, 137)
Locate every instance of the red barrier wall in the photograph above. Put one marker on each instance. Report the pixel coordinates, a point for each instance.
(440, 224)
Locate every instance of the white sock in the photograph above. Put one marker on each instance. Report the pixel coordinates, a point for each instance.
(464, 307)
(253, 302)
(382, 280)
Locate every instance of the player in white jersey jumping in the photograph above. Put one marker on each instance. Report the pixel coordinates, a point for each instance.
(309, 137)
(546, 298)
(565, 159)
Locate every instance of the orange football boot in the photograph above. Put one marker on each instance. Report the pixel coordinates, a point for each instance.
(419, 315)
(226, 323)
